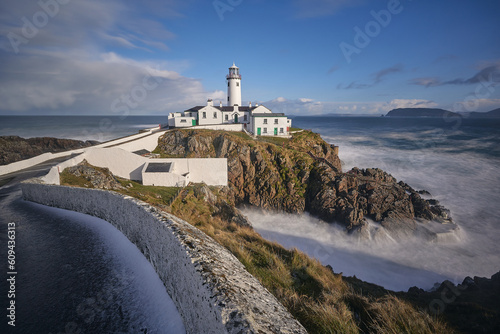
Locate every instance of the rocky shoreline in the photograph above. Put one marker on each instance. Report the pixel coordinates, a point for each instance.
(305, 174)
(15, 148)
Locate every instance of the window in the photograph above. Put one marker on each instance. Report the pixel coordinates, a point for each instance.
(215, 114)
(264, 130)
(275, 121)
(183, 121)
(237, 84)
(245, 118)
(227, 118)
(204, 114)
(265, 120)
(228, 98)
(281, 130)
(228, 83)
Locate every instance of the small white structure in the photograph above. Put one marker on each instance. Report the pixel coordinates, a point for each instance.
(179, 172)
(174, 172)
(258, 120)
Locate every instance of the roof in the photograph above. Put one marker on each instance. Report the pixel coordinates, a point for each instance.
(223, 108)
(197, 108)
(158, 167)
(269, 114)
(141, 152)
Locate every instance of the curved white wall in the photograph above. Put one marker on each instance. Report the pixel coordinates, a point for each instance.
(210, 287)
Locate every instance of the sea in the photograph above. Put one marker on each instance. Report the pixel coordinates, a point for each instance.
(456, 160)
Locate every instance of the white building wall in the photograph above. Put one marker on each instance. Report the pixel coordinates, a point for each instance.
(211, 171)
(209, 115)
(127, 165)
(234, 92)
(164, 180)
(225, 127)
(182, 122)
(268, 125)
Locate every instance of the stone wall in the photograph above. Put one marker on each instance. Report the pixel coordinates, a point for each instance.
(210, 287)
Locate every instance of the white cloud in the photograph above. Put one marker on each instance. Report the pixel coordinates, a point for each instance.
(85, 25)
(411, 103)
(306, 106)
(85, 85)
(67, 68)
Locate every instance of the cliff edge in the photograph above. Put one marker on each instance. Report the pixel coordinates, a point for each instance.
(304, 173)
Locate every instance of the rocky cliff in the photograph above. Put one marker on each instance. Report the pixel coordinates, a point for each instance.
(305, 174)
(14, 148)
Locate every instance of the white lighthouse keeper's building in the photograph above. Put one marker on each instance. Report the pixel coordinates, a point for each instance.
(256, 119)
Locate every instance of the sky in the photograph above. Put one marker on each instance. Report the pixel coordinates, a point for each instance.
(301, 57)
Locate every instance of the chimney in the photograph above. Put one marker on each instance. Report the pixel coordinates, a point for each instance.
(250, 104)
(220, 104)
(210, 102)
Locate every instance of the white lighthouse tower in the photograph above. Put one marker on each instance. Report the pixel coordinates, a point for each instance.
(233, 86)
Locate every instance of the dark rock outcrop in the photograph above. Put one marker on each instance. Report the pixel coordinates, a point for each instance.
(14, 148)
(305, 174)
(100, 178)
(472, 307)
(222, 208)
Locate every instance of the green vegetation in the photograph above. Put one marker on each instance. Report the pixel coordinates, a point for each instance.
(158, 196)
(68, 179)
(274, 140)
(242, 135)
(321, 300)
(295, 129)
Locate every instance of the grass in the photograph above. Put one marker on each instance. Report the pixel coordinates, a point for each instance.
(159, 196)
(321, 300)
(274, 140)
(242, 135)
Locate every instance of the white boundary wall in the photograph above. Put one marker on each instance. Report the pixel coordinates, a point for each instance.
(225, 127)
(211, 171)
(211, 289)
(131, 143)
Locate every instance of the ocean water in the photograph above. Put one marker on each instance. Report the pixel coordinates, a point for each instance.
(99, 128)
(455, 160)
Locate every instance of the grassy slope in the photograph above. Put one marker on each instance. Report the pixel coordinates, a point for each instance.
(321, 300)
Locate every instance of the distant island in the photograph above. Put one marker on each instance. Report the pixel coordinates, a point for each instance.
(434, 112)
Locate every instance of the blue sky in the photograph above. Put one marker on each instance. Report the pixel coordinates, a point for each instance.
(75, 57)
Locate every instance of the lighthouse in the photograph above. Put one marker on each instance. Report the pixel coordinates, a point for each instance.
(233, 86)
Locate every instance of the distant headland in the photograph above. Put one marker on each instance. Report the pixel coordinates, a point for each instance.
(434, 112)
